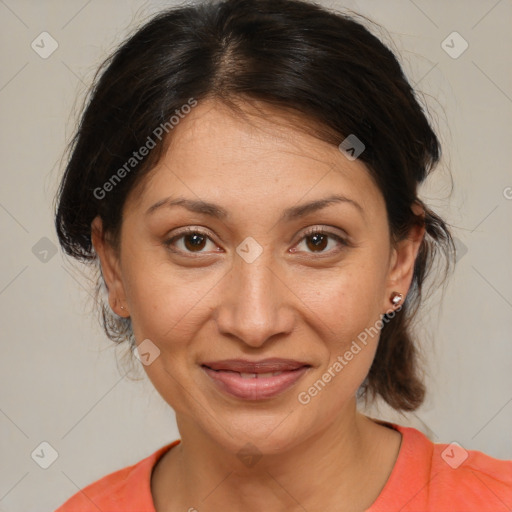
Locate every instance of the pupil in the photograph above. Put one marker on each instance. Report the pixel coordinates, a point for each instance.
(318, 240)
(198, 241)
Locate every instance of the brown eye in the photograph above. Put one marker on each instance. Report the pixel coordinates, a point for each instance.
(317, 241)
(194, 241)
(189, 241)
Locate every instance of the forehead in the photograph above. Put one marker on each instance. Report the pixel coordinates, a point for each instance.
(256, 131)
(217, 154)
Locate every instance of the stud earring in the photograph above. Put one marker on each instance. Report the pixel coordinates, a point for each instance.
(396, 298)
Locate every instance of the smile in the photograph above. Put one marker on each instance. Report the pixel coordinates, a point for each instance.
(254, 385)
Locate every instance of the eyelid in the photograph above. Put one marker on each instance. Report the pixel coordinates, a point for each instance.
(325, 230)
(192, 229)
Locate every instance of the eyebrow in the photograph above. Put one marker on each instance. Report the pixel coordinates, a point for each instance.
(214, 210)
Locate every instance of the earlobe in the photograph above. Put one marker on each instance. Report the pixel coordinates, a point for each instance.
(110, 268)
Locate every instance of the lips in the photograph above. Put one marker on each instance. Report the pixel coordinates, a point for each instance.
(254, 380)
(262, 366)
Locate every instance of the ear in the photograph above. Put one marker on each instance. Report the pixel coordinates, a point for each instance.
(110, 268)
(403, 257)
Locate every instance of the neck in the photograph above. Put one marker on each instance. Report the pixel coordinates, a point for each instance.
(351, 459)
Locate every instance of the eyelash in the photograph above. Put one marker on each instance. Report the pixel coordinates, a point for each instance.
(311, 231)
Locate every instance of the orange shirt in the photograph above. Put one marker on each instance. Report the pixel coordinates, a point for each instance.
(426, 477)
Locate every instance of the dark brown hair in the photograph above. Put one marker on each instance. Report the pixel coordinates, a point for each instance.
(290, 54)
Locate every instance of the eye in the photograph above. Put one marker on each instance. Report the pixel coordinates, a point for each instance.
(317, 240)
(191, 240)
(194, 240)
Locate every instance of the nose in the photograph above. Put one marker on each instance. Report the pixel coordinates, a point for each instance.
(255, 302)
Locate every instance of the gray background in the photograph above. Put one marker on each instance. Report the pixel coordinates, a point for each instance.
(60, 380)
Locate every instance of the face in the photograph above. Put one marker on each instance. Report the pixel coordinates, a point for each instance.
(256, 276)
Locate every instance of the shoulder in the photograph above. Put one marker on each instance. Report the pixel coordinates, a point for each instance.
(442, 477)
(471, 476)
(123, 490)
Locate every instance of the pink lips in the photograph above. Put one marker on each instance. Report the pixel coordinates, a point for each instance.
(255, 380)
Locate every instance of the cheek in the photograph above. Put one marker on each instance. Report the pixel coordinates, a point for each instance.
(164, 303)
(346, 300)
(347, 307)
(168, 309)
(347, 330)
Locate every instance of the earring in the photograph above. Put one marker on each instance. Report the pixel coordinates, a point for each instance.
(396, 298)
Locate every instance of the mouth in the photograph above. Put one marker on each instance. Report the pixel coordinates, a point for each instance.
(257, 380)
(247, 375)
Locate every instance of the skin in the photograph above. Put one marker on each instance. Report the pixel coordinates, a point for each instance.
(210, 304)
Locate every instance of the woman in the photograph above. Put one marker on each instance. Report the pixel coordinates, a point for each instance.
(245, 177)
